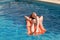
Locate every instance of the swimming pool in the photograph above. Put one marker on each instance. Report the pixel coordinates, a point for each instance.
(13, 25)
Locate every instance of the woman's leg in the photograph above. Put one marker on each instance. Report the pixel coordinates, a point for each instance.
(42, 28)
(32, 28)
(38, 29)
(29, 27)
(41, 25)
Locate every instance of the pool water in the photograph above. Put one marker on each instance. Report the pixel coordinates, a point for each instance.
(13, 23)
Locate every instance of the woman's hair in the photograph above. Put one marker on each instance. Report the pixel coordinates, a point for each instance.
(31, 16)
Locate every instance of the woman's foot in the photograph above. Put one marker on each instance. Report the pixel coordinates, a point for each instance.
(43, 31)
(29, 33)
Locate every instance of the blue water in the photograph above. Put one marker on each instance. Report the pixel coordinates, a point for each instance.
(13, 24)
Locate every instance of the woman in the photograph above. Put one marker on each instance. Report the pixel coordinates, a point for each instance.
(31, 22)
(34, 24)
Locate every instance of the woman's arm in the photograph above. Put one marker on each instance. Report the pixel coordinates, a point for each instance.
(41, 18)
(27, 18)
